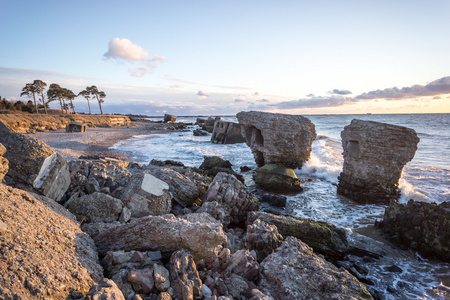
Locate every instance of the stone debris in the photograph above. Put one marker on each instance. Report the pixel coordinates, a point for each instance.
(277, 138)
(374, 156)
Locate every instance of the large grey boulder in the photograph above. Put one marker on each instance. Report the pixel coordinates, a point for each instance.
(201, 234)
(147, 195)
(33, 165)
(227, 133)
(97, 207)
(374, 156)
(228, 200)
(277, 138)
(421, 226)
(304, 275)
(183, 189)
(44, 253)
(324, 238)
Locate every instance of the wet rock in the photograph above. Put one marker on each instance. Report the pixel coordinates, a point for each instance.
(33, 165)
(199, 233)
(423, 226)
(274, 200)
(305, 275)
(277, 138)
(97, 207)
(147, 195)
(277, 179)
(44, 253)
(227, 133)
(228, 200)
(106, 289)
(324, 238)
(374, 156)
(214, 164)
(184, 277)
(263, 238)
(199, 132)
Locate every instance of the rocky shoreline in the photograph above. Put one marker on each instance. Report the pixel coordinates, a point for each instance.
(120, 230)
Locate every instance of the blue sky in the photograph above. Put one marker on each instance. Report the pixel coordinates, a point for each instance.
(221, 57)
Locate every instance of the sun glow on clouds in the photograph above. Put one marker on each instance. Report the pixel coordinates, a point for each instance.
(124, 49)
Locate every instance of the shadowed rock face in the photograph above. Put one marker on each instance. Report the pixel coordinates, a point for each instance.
(33, 165)
(227, 133)
(374, 156)
(277, 138)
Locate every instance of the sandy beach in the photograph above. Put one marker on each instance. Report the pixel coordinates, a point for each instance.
(95, 141)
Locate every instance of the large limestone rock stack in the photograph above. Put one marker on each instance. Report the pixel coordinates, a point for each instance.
(33, 165)
(374, 156)
(277, 138)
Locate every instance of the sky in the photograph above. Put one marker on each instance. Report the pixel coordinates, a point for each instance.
(222, 57)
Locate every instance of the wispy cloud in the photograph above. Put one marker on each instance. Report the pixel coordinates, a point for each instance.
(226, 87)
(340, 92)
(438, 87)
(124, 49)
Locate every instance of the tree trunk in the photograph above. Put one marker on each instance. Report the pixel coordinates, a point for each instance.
(35, 103)
(100, 104)
(43, 102)
(89, 105)
(73, 107)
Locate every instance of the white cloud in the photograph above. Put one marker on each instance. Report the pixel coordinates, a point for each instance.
(202, 94)
(124, 49)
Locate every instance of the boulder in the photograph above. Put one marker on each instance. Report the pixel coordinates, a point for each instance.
(44, 253)
(212, 165)
(227, 133)
(263, 238)
(106, 289)
(141, 280)
(184, 277)
(209, 124)
(277, 138)
(198, 233)
(183, 189)
(169, 118)
(147, 195)
(228, 200)
(162, 279)
(33, 165)
(374, 156)
(304, 275)
(200, 132)
(97, 207)
(3, 163)
(276, 178)
(421, 226)
(324, 238)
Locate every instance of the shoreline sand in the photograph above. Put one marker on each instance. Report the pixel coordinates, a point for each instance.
(96, 141)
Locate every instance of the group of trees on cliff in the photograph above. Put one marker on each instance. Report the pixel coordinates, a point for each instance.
(55, 92)
(16, 106)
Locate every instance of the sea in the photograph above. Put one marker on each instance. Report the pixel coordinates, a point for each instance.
(426, 178)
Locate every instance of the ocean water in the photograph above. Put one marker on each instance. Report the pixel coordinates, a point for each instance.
(425, 178)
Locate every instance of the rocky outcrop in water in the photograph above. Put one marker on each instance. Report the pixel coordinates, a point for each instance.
(227, 133)
(305, 275)
(199, 233)
(324, 238)
(421, 226)
(274, 178)
(43, 252)
(33, 165)
(169, 118)
(277, 138)
(374, 156)
(228, 200)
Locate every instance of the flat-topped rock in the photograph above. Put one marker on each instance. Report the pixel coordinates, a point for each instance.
(277, 138)
(374, 156)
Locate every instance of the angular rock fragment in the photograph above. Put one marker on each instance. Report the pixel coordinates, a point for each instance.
(277, 138)
(147, 195)
(184, 277)
(3, 163)
(106, 289)
(97, 207)
(228, 200)
(374, 156)
(199, 233)
(263, 238)
(304, 275)
(324, 238)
